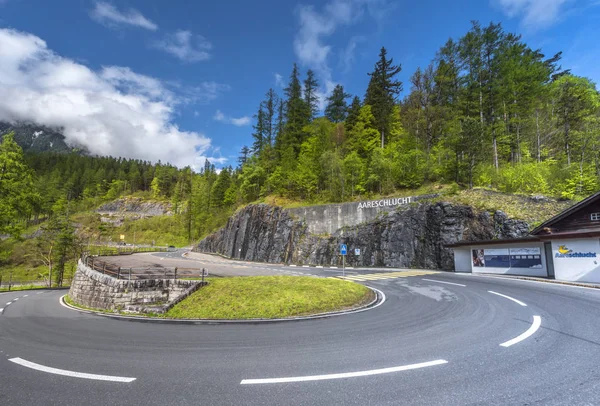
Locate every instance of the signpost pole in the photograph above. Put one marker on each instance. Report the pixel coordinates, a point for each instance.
(343, 265)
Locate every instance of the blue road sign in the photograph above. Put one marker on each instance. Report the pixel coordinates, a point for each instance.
(343, 249)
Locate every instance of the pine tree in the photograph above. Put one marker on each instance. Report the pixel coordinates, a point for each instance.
(295, 116)
(353, 113)
(337, 108)
(311, 98)
(16, 187)
(383, 91)
(259, 133)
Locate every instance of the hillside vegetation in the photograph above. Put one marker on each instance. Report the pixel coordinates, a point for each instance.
(487, 112)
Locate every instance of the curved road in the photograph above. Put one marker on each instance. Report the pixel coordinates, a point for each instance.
(429, 343)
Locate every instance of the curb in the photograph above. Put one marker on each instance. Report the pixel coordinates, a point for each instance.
(376, 302)
(541, 280)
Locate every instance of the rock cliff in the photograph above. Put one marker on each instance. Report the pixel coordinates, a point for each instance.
(412, 236)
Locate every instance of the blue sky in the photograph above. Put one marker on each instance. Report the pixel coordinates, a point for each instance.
(180, 81)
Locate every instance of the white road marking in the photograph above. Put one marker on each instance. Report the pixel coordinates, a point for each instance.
(73, 374)
(343, 375)
(508, 297)
(537, 322)
(1, 310)
(25, 295)
(292, 265)
(333, 267)
(15, 299)
(305, 266)
(7, 303)
(448, 283)
(319, 266)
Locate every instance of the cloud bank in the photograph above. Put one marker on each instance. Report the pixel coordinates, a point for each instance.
(185, 46)
(107, 14)
(238, 122)
(113, 111)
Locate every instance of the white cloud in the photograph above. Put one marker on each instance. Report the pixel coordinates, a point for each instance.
(279, 80)
(347, 57)
(108, 14)
(534, 14)
(186, 46)
(113, 111)
(238, 122)
(316, 26)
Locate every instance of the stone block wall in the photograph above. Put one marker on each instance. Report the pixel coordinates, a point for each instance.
(92, 289)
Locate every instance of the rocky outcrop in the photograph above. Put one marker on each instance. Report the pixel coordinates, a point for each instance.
(412, 236)
(257, 233)
(134, 207)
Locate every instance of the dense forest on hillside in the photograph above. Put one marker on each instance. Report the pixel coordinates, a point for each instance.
(487, 111)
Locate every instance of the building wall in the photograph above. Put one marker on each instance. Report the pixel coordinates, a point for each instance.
(581, 264)
(508, 270)
(462, 260)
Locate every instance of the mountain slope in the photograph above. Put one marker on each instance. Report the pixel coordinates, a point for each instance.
(36, 138)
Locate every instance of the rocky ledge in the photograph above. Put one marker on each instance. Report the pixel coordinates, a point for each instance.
(412, 236)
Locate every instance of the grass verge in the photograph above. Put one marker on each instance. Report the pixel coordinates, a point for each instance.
(269, 297)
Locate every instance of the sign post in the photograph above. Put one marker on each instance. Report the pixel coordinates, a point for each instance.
(343, 251)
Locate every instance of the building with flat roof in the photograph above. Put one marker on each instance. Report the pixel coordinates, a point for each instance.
(565, 247)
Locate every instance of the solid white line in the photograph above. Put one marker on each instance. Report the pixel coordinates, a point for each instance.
(508, 297)
(343, 375)
(64, 372)
(537, 322)
(448, 283)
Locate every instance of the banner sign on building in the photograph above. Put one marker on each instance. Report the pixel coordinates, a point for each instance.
(508, 257)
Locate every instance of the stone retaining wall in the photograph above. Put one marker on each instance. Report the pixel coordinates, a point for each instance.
(92, 289)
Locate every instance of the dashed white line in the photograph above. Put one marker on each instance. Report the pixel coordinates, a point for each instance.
(305, 266)
(508, 297)
(73, 374)
(537, 322)
(447, 283)
(292, 265)
(343, 375)
(8, 303)
(15, 299)
(1, 310)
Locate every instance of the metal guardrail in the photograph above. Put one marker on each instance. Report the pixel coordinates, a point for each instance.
(9, 284)
(105, 250)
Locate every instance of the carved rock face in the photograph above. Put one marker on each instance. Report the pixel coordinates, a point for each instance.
(411, 237)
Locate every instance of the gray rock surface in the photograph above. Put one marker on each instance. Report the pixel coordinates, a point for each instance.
(136, 207)
(412, 236)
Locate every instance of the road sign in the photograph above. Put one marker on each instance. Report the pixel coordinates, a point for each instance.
(343, 249)
(356, 251)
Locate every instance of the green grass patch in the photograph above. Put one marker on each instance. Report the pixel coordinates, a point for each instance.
(269, 297)
(22, 287)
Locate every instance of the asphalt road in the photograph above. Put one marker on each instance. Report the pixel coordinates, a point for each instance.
(429, 343)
